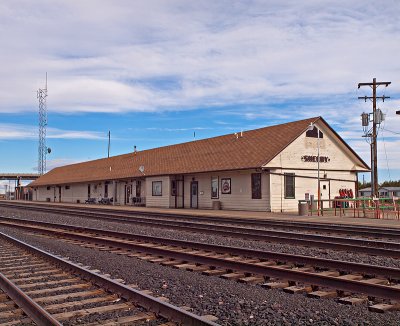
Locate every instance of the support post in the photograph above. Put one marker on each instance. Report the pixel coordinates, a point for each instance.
(374, 148)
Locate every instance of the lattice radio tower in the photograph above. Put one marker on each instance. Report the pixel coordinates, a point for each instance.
(41, 95)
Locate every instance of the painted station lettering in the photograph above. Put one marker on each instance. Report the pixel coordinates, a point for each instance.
(311, 158)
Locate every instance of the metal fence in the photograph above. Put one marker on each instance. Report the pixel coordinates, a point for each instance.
(379, 208)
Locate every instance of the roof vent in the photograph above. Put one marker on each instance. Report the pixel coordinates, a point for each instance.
(238, 135)
(141, 169)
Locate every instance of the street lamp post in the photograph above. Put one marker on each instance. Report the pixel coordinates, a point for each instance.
(311, 127)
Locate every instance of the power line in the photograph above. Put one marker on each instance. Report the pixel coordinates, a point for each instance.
(387, 161)
(393, 132)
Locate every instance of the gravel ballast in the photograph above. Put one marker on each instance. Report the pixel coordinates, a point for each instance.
(233, 303)
(210, 239)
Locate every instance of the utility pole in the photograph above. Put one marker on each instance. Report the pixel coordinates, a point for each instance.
(377, 118)
(109, 141)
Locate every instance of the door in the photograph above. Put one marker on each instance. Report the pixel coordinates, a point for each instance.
(138, 188)
(194, 194)
(59, 194)
(325, 192)
(179, 194)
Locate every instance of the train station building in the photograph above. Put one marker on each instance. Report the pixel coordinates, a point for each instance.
(266, 169)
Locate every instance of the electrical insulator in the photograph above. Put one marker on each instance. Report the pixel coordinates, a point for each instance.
(365, 119)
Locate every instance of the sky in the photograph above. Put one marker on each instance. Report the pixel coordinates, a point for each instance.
(156, 73)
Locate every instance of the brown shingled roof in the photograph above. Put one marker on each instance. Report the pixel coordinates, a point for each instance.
(256, 148)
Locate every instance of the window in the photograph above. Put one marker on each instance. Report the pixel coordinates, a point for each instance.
(214, 187)
(157, 188)
(289, 185)
(66, 187)
(314, 133)
(48, 188)
(256, 185)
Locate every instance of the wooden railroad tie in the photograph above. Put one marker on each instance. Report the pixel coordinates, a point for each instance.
(353, 300)
(322, 294)
(140, 318)
(275, 285)
(298, 289)
(233, 276)
(382, 307)
(214, 272)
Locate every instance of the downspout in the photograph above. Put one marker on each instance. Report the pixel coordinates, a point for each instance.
(115, 192)
(269, 189)
(282, 181)
(183, 191)
(356, 186)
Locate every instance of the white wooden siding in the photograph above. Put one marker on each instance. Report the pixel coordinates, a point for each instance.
(240, 196)
(158, 201)
(305, 185)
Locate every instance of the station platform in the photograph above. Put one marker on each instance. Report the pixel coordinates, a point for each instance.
(346, 220)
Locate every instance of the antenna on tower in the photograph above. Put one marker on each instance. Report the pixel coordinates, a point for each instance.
(43, 150)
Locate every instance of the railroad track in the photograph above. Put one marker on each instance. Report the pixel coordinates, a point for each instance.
(168, 220)
(49, 290)
(318, 277)
(370, 247)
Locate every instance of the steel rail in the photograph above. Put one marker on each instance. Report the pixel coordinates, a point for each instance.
(389, 272)
(387, 249)
(148, 302)
(367, 231)
(35, 312)
(372, 290)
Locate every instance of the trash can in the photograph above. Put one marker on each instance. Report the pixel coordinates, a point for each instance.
(216, 204)
(303, 208)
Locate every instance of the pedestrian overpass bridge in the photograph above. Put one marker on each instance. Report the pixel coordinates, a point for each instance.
(19, 192)
(19, 176)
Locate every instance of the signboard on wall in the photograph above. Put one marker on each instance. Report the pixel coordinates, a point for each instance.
(226, 186)
(314, 158)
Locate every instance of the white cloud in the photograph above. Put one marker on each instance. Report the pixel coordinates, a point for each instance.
(54, 163)
(278, 60)
(177, 129)
(27, 132)
(143, 56)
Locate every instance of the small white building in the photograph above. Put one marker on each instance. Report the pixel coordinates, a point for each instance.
(266, 169)
(384, 192)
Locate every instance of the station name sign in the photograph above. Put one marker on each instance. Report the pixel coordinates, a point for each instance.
(314, 158)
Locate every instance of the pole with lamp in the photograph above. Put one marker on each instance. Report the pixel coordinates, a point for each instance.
(310, 128)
